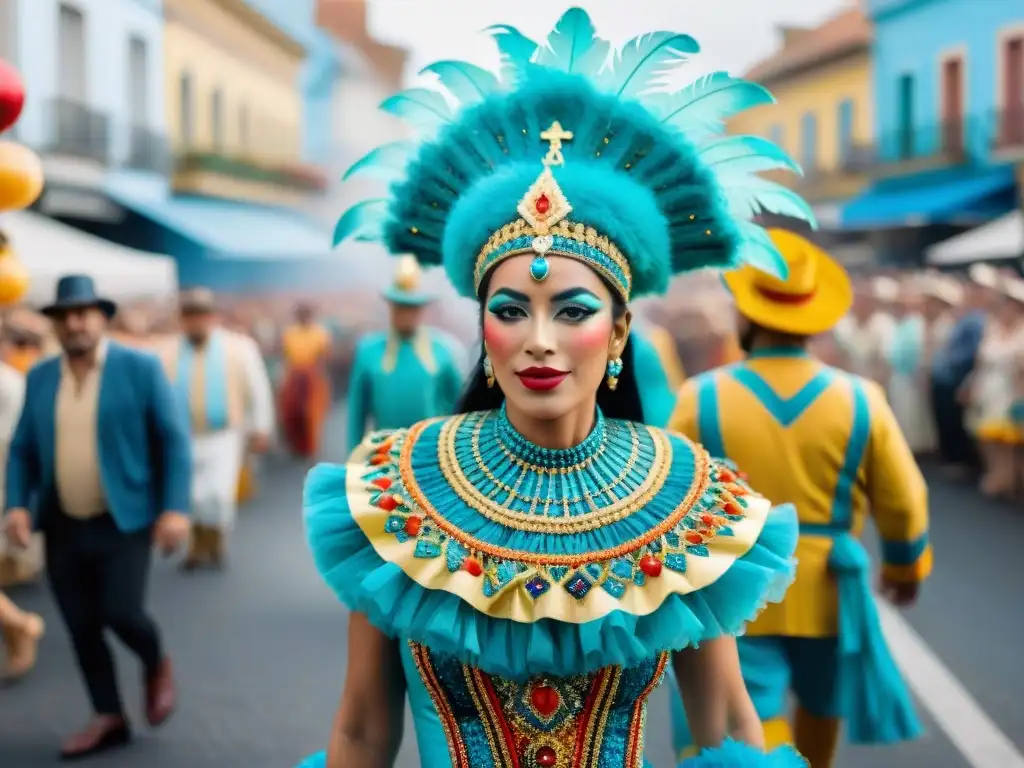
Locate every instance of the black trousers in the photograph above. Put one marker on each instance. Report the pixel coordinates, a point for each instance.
(98, 576)
(956, 446)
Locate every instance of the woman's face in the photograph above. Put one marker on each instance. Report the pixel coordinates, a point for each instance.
(550, 342)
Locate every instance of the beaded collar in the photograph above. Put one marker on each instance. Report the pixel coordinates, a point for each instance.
(630, 515)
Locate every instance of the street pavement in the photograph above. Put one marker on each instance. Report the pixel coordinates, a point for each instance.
(260, 651)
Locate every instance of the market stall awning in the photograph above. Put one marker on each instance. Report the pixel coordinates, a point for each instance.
(49, 249)
(1002, 238)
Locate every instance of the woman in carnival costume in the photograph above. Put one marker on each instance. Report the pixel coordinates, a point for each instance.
(527, 569)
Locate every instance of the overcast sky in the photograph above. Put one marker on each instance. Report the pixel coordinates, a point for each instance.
(733, 34)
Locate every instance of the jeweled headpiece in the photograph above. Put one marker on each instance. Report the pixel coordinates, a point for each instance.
(636, 180)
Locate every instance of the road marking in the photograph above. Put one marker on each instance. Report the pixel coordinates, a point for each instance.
(962, 719)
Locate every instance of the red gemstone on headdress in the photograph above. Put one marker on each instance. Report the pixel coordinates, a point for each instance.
(543, 205)
(546, 757)
(545, 699)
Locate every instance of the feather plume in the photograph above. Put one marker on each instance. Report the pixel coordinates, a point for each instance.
(515, 48)
(745, 154)
(645, 61)
(753, 196)
(466, 82)
(424, 109)
(363, 221)
(701, 109)
(573, 45)
(386, 160)
(757, 249)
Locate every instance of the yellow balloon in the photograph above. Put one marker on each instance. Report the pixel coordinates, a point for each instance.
(21, 176)
(14, 278)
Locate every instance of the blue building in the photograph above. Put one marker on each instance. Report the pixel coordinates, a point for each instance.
(948, 83)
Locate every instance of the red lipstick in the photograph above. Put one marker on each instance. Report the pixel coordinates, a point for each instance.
(541, 379)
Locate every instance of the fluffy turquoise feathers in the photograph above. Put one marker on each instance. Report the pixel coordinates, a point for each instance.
(648, 167)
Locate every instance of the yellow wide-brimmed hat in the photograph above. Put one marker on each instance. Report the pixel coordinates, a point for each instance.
(814, 297)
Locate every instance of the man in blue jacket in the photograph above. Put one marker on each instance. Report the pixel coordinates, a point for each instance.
(100, 463)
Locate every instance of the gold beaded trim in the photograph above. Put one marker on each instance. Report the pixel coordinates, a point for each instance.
(702, 479)
(578, 232)
(531, 522)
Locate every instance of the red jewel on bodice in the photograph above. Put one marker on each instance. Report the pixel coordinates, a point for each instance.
(545, 699)
(546, 756)
(382, 482)
(472, 566)
(413, 525)
(651, 566)
(543, 205)
(387, 502)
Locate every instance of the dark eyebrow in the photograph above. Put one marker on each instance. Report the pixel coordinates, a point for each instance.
(514, 295)
(573, 293)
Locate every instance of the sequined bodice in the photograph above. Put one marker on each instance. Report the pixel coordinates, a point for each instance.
(584, 721)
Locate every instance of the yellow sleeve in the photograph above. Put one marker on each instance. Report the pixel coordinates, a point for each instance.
(670, 362)
(684, 416)
(897, 495)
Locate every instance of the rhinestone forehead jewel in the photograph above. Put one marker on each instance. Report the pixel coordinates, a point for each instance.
(544, 204)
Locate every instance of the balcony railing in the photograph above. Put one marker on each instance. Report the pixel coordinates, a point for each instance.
(293, 175)
(78, 131)
(1009, 129)
(147, 151)
(952, 142)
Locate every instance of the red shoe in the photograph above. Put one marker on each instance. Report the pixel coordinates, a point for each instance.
(161, 694)
(103, 732)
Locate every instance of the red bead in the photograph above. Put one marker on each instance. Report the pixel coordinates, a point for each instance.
(650, 565)
(379, 458)
(725, 476)
(694, 538)
(545, 699)
(732, 508)
(707, 519)
(546, 756)
(472, 566)
(413, 525)
(387, 502)
(543, 205)
(382, 482)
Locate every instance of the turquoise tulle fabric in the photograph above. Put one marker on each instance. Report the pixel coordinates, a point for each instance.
(400, 607)
(733, 754)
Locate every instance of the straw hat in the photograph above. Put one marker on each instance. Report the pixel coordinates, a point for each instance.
(813, 298)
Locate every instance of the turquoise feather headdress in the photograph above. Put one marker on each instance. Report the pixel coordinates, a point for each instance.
(634, 180)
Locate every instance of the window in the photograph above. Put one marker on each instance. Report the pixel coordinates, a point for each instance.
(138, 81)
(186, 109)
(845, 121)
(809, 142)
(243, 126)
(217, 119)
(777, 135)
(1012, 129)
(905, 88)
(71, 58)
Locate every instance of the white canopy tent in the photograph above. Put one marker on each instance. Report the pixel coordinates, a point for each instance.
(49, 249)
(1002, 238)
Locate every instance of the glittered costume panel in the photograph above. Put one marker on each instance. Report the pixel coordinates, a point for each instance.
(585, 721)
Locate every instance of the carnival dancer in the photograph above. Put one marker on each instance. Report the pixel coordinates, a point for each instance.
(827, 442)
(905, 357)
(405, 374)
(305, 395)
(103, 447)
(223, 388)
(528, 568)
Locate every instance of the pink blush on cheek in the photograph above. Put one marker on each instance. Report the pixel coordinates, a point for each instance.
(589, 338)
(500, 340)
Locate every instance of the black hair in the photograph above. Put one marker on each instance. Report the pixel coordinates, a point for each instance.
(621, 403)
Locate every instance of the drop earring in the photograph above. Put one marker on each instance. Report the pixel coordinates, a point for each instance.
(488, 371)
(614, 371)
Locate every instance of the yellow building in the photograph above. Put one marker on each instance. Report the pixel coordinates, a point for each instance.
(234, 109)
(821, 79)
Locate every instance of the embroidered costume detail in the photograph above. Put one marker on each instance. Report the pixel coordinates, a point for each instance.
(582, 721)
(637, 181)
(677, 518)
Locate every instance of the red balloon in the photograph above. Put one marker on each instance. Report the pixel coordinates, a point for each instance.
(12, 95)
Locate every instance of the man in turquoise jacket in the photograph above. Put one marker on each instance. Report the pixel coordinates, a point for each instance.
(102, 458)
(407, 373)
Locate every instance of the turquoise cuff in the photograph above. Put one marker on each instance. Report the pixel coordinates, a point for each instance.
(400, 607)
(904, 552)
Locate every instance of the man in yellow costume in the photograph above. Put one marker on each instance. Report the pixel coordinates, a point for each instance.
(305, 397)
(827, 442)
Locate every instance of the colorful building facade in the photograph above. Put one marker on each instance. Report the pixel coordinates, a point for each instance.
(943, 71)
